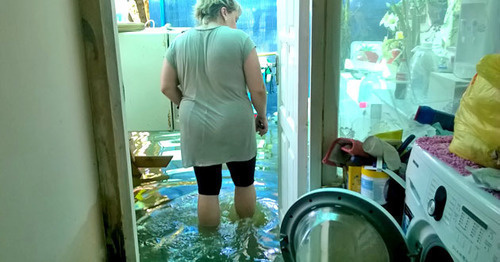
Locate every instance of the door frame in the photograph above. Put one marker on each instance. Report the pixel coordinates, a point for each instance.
(99, 37)
(325, 84)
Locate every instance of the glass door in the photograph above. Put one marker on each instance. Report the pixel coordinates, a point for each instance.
(397, 55)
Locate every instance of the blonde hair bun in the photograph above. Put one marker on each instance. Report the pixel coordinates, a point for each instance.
(208, 10)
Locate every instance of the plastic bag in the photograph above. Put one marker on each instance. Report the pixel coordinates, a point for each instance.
(477, 121)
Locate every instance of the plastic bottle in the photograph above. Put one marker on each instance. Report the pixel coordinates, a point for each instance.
(402, 80)
(369, 83)
(423, 62)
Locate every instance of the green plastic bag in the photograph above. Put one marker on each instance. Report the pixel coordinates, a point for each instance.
(477, 121)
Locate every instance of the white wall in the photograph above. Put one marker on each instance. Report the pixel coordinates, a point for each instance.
(49, 207)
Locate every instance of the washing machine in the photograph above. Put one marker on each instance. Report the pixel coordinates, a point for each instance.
(446, 218)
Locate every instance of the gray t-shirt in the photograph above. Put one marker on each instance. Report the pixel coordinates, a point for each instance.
(216, 116)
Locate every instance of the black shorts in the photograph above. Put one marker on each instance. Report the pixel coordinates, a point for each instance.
(209, 178)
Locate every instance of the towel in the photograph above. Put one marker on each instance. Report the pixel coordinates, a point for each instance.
(488, 178)
(377, 147)
(438, 146)
(341, 151)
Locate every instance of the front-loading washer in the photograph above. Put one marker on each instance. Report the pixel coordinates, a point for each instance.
(447, 213)
(334, 224)
(441, 223)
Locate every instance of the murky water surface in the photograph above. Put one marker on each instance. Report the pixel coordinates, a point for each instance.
(166, 211)
(170, 233)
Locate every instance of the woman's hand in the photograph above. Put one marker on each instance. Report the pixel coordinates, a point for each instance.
(258, 92)
(261, 125)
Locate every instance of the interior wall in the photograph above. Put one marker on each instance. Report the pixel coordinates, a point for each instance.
(48, 174)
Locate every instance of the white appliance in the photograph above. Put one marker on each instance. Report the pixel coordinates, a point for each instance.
(335, 224)
(445, 91)
(141, 58)
(447, 213)
(447, 218)
(479, 34)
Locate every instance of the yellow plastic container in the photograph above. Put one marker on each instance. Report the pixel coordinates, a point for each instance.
(374, 185)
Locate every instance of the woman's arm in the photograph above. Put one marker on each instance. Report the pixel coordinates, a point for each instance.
(258, 93)
(169, 83)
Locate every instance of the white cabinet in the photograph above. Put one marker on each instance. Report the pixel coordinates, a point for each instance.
(141, 57)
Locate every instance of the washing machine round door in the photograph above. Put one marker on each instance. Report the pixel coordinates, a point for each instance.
(340, 225)
(423, 236)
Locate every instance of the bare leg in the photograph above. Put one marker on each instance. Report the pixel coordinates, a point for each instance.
(244, 201)
(208, 210)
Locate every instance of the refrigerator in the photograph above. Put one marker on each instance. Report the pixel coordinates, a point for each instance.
(141, 59)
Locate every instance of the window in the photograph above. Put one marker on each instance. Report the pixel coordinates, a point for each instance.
(258, 19)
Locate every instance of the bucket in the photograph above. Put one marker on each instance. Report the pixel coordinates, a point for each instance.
(374, 185)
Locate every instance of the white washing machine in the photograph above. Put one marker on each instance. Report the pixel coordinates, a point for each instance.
(447, 218)
(448, 215)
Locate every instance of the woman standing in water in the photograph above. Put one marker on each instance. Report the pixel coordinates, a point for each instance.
(206, 73)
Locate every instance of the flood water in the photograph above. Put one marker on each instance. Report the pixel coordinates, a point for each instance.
(166, 211)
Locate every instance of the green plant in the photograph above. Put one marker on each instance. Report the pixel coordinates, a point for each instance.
(411, 13)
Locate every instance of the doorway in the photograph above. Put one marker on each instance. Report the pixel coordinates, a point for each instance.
(108, 99)
(165, 208)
